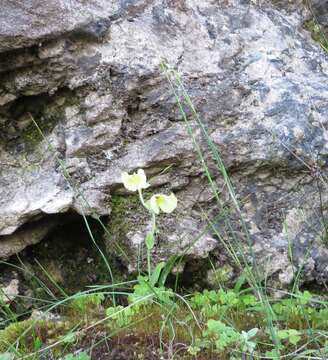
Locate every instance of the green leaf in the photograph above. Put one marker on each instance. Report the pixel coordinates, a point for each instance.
(150, 241)
(215, 326)
(113, 312)
(248, 300)
(294, 336)
(273, 354)
(37, 344)
(156, 273)
(224, 335)
(193, 350)
(6, 356)
(167, 270)
(250, 346)
(81, 356)
(69, 357)
(240, 282)
(305, 297)
(69, 338)
(251, 333)
(283, 334)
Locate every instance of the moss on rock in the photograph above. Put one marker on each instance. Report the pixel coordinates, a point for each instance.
(317, 33)
(46, 110)
(127, 213)
(22, 334)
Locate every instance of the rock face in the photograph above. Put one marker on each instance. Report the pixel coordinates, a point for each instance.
(89, 74)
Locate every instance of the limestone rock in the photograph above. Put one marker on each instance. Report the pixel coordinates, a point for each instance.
(30, 234)
(9, 287)
(31, 22)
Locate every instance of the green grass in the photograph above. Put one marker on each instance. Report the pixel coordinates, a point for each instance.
(314, 27)
(194, 319)
(317, 33)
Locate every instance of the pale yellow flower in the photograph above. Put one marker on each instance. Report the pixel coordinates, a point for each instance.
(135, 181)
(165, 203)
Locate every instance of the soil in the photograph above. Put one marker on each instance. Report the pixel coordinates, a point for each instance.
(127, 347)
(132, 347)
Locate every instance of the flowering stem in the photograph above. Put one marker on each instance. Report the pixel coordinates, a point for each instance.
(152, 231)
(153, 228)
(142, 199)
(148, 263)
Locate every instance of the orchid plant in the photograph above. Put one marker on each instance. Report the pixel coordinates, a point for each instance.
(137, 181)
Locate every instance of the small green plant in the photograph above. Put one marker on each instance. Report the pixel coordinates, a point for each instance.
(273, 354)
(225, 337)
(79, 356)
(37, 343)
(144, 290)
(151, 285)
(6, 356)
(5, 309)
(157, 203)
(291, 336)
(246, 344)
(81, 302)
(123, 316)
(317, 33)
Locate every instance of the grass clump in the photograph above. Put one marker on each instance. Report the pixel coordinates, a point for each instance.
(317, 33)
(225, 323)
(24, 337)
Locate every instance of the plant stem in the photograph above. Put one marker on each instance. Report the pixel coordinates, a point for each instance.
(153, 228)
(152, 231)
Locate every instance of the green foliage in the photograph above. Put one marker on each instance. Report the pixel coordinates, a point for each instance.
(79, 356)
(223, 336)
(291, 335)
(5, 309)
(6, 356)
(243, 310)
(82, 302)
(273, 354)
(230, 322)
(12, 332)
(317, 33)
(145, 291)
(295, 307)
(246, 344)
(123, 316)
(37, 343)
(69, 338)
(218, 303)
(150, 241)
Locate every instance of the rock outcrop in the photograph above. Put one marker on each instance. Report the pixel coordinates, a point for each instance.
(89, 74)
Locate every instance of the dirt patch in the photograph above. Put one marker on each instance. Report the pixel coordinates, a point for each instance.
(128, 347)
(133, 347)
